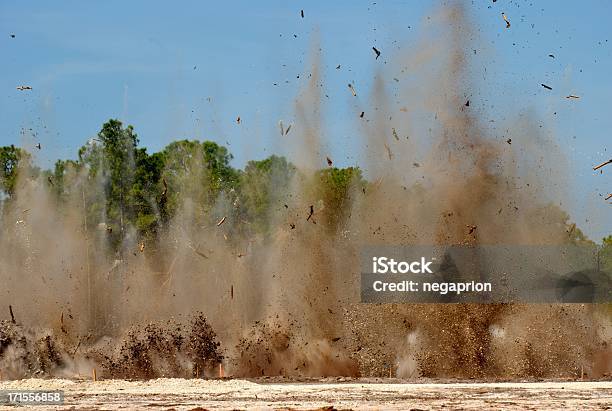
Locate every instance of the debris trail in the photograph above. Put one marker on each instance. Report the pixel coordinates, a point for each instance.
(506, 20)
(350, 86)
(12, 315)
(310, 213)
(605, 163)
(281, 127)
(377, 52)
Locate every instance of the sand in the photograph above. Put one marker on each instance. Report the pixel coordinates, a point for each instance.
(340, 393)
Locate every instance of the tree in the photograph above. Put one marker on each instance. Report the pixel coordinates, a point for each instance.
(605, 254)
(119, 145)
(198, 173)
(11, 158)
(262, 185)
(146, 191)
(63, 178)
(216, 160)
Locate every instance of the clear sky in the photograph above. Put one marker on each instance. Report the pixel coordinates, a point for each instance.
(188, 69)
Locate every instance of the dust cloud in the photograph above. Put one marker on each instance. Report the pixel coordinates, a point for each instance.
(288, 303)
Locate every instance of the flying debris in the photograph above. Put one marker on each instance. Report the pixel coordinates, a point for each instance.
(546, 87)
(389, 153)
(12, 36)
(22, 88)
(165, 187)
(50, 181)
(292, 226)
(471, 228)
(238, 120)
(311, 213)
(605, 163)
(302, 13)
(195, 250)
(571, 229)
(467, 103)
(141, 247)
(377, 52)
(221, 221)
(362, 114)
(329, 161)
(509, 141)
(395, 133)
(281, 127)
(608, 197)
(105, 227)
(506, 20)
(62, 328)
(12, 315)
(350, 86)
(288, 128)
(552, 56)
(572, 96)
(38, 146)
(338, 67)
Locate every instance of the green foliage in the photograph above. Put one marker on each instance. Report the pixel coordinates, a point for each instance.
(118, 164)
(11, 158)
(216, 160)
(605, 254)
(145, 192)
(198, 173)
(335, 186)
(128, 190)
(263, 185)
(64, 178)
(129, 177)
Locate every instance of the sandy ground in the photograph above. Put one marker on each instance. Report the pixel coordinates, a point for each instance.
(181, 394)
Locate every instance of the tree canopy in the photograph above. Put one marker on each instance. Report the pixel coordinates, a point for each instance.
(134, 194)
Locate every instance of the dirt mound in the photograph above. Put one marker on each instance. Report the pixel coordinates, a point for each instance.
(162, 350)
(272, 349)
(28, 352)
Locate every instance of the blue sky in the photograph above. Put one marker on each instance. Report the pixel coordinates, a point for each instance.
(187, 69)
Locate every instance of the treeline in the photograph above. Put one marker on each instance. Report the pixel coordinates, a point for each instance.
(130, 193)
(126, 190)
